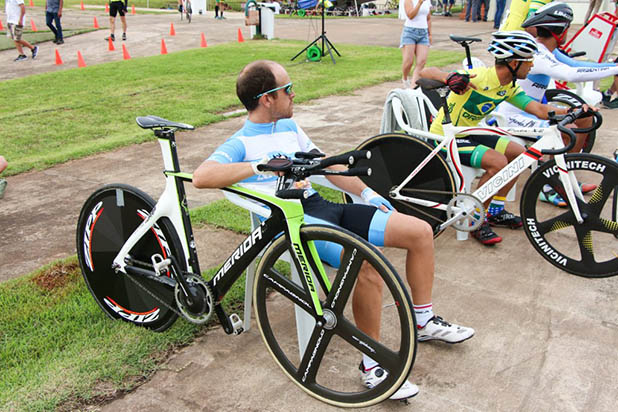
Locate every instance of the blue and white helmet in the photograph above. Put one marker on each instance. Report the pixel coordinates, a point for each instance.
(512, 45)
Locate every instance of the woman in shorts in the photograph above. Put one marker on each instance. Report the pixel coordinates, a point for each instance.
(415, 38)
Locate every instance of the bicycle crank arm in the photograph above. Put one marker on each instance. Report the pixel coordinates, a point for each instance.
(149, 274)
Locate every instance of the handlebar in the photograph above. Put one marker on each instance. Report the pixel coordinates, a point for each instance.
(308, 164)
(562, 121)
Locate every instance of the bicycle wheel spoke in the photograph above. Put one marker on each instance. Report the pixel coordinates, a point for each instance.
(386, 357)
(556, 223)
(602, 192)
(344, 281)
(288, 289)
(584, 238)
(310, 363)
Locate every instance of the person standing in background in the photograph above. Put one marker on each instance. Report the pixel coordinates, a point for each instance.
(593, 8)
(415, 38)
(218, 7)
(53, 13)
(482, 14)
(15, 16)
(3, 165)
(117, 7)
(500, 4)
(471, 9)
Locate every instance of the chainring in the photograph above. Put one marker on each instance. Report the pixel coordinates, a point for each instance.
(466, 205)
(197, 318)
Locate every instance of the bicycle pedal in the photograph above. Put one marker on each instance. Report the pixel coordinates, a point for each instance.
(237, 324)
(159, 264)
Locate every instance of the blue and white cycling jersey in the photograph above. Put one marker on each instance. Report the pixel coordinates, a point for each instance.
(254, 141)
(547, 67)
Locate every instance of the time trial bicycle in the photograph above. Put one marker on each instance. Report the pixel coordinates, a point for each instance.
(140, 263)
(579, 239)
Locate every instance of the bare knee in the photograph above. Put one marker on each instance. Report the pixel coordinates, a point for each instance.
(369, 277)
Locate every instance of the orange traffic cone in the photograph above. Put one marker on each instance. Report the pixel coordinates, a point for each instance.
(106, 8)
(110, 45)
(203, 42)
(125, 53)
(172, 31)
(133, 9)
(31, 4)
(96, 23)
(240, 38)
(163, 47)
(58, 59)
(81, 5)
(1, 26)
(80, 60)
(33, 25)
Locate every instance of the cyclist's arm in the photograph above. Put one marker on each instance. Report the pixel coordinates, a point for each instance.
(215, 175)
(548, 65)
(542, 110)
(346, 183)
(224, 167)
(562, 57)
(434, 73)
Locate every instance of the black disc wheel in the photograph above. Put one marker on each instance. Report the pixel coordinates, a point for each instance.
(366, 310)
(567, 99)
(588, 249)
(393, 157)
(107, 219)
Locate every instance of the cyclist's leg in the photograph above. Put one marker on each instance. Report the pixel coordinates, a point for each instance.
(494, 153)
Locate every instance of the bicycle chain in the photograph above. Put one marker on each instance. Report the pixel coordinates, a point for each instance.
(153, 295)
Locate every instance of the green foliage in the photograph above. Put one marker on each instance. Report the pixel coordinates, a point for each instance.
(78, 112)
(40, 36)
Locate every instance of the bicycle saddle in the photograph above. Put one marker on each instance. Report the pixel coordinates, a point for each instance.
(464, 40)
(430, 84)
(150, 122)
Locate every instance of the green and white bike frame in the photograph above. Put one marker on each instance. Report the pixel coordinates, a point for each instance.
(286, 216)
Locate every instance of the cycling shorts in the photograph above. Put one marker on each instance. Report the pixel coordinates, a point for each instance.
(365, 221)
(116, 7)
(473, 147)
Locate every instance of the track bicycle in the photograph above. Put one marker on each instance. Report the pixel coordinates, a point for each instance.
(421, 182)
(140, 263)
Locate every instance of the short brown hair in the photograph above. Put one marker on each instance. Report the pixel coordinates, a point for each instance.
(255, 78)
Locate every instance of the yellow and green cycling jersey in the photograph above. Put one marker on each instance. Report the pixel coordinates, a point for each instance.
(470, 108)
(519, 11)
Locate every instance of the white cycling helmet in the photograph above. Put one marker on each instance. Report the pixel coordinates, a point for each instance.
(512, 45)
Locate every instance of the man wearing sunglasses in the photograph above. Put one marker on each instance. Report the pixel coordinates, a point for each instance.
(265, 89)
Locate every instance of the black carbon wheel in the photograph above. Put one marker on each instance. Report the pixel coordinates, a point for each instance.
(329, 368)
(393, 157)
(589, 249)
(107, 219)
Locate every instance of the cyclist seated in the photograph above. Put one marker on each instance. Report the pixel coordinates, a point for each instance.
(477, 93)
(552, 25)
(265, 89)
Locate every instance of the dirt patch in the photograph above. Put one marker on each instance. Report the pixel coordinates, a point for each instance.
(58, 276)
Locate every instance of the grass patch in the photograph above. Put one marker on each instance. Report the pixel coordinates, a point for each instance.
(37, 37)
(58, 350)
(78, 112)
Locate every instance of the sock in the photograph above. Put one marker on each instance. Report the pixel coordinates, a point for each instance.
(496, 206)
(423, 313)
(477, 215)
(368, 363)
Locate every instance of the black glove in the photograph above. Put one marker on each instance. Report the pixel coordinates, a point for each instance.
(458, 82)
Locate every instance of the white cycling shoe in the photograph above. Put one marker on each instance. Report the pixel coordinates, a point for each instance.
(372, 377)
(438, 329)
